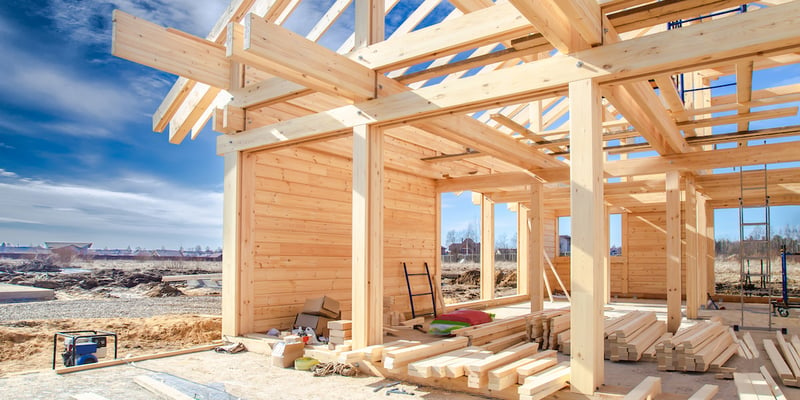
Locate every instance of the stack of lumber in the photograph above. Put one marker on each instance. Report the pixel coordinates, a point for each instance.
(478, 371)
(757, 385)
(374, 353)
(747, 347)
(397, 358)
(545, 383)
(340, 332)
(558, 331)
(540, 325)
(697, 348)
(497, 335)
(516, 372)
(629, 339)
(785, 358)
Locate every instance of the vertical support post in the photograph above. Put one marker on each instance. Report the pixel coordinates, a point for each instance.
(370, 16)
(231, 223)
(487, 248)
(523, 253)
(586, 264)
(693, 299)
(625, 250)
(673, 247)
(367, 245)
(702, 248)
(711, 278)
(535, 226)
(606, 257)
(237, 259)
(437, 269)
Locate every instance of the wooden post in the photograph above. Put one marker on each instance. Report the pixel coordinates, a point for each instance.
(367, 278)
(535, 227)
(673, 247)
(702, 248)
(437, 269)
(711, 284)
(625, 250)
(586, 264)
(369, 29)
(606, 257)
(237, 265)
(523, 253)
(693, 299)
(487, 248)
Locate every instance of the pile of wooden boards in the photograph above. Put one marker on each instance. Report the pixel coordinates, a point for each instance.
(785, 358)
(630, 336)
(747, 347)
(700, 347)
(547, 325)
(340, 332)
(757, 385)
(497, 335)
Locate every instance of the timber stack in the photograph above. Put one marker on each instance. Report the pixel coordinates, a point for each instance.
(340, 332)
(785, 358)
(700, 347)
(629, 337)
(757, 385)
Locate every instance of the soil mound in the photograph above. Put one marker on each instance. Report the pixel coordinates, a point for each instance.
(163, 290)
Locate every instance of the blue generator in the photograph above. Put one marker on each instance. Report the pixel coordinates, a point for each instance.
(83, 347)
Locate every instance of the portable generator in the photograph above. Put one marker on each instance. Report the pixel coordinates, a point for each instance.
(83, 347)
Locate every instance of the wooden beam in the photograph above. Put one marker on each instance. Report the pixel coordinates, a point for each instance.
(487, 248)
(744, 89)
(550, 20)
(517, 127)
(191, 111)
(661, 12)
(283, 53)
(169, 50)
(367, 241)
(481, 183)
(235, 307)
(735, 119)
(673, 247)
(770, 30)
(693, 289)
(369, 28)
(523, 254)
(702, 247)
(534, 228)
(586, 261)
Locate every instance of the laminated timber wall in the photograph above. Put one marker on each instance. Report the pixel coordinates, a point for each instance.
(641, 270)
(300, 220)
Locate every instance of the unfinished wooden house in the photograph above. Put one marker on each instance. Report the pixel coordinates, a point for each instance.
(336, 152)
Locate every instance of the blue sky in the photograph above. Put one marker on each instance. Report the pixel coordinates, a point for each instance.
(78, 158)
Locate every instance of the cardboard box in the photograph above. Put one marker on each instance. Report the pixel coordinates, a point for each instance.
(284, 354)
(319, 323)
(323, 306)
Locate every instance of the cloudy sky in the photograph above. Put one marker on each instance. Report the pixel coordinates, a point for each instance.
(78, 158)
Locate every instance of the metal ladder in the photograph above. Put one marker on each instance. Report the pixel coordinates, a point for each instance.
(755, 273)
(412, 295)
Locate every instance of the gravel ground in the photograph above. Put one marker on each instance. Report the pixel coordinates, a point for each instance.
(111, 308)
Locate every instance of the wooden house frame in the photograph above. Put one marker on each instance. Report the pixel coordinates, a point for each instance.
(335, 160)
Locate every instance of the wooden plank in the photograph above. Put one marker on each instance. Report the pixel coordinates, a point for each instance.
(586, 261)
(146, 357)
(744, 386)
(367, 240)
(344, 324)
(507, 375)
(546, 382)
(478, 371)
(369, 21)
(505, 342)
(673, 251)
(776, 390)
(160, 389)
(169, 50)
(748, 339)
(648, 389)
(424, 368)
(789, 354)
(177, 278)
(707, 392)
(534, 226)
(777, 361)
(401, 357)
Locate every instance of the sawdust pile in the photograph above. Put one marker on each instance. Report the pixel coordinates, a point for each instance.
(28, 345)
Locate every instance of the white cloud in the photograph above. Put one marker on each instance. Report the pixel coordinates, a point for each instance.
(7, 174)
(112, 212)
(6, 146)
(90, 20)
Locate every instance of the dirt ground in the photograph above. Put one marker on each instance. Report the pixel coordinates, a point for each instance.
(461, 281)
